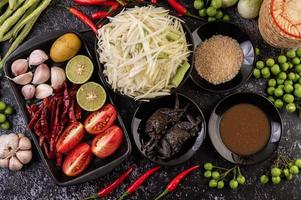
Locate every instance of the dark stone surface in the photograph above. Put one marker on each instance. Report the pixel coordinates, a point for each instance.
(33, 182)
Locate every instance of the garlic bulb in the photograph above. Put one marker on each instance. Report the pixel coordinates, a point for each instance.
(43, 91)
(37, 57)
(15, 151)
(19, 67)
(58, 77)
(23, 79)
(28, 91)
(41, 75)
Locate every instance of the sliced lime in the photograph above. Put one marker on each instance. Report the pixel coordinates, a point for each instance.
(79, 69)
(91, 96)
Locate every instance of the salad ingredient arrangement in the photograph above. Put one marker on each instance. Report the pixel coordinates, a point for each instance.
(219, 175)
(5, 111)
(54, 106)
(15, 151)
(17, 21)
(283, 168)
(214, 68)
(211, 9)
(141, 64)
(284, 82)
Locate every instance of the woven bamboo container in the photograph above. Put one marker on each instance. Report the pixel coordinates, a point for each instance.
(280, 23)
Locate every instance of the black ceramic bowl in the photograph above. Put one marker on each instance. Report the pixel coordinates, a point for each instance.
(97, 167)
(263, 103)
(228, 29)
(145, 110)
(190, 47)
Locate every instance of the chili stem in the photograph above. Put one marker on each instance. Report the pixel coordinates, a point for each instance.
(222, 168)
(165, 192)
(123, 196)
(91, 197)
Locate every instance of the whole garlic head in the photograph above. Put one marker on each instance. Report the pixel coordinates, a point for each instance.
(15, 151)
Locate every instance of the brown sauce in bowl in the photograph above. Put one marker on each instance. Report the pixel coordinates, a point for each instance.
(245, 129)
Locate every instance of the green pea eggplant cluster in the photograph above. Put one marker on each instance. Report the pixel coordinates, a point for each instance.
(284, 79)
(17, 17)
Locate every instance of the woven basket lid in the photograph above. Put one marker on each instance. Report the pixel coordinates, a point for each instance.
(286, 15)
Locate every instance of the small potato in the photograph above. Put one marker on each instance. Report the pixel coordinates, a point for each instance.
(65, 47)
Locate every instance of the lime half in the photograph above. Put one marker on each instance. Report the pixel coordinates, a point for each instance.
(91, 96)
(79, 69)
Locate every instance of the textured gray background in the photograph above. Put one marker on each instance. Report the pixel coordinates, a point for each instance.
(33, 181)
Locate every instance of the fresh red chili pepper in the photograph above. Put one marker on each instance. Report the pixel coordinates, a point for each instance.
(100, 14)
(181, 9)
(88, 2)
(132, 188)
(84, 18)
(154, 1)
(107, 190)
(173, 184)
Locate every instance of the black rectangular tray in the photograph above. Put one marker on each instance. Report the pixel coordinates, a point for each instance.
(98, 167)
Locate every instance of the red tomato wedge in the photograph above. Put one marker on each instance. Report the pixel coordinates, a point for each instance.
(77, 160)
(97, 122)
(107, 143)
(71, 136)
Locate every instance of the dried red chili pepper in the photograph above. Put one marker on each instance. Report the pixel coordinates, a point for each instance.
(84, 18)
(66, 104)
(44, 124)
(132, 188)
(71, 112)
(176, 181)
(38, 113)
(181, 9)
(107, 190)
(78, 112)
(88, 2)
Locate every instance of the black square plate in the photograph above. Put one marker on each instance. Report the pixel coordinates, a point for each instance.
(98, 167)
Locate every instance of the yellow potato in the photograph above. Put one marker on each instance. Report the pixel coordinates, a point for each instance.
(65, 47)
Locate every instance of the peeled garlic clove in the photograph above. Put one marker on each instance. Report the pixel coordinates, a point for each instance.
(37, 57)
(41, 75)
(4, 163)
(24, 143)
(23, 79)
(15, 164)
(19, 67)
(43, 91)
(58, 77)
(28, 91)
(24, 156)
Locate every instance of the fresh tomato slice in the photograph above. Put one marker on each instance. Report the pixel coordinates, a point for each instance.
(97, 122)
(106, 144)
(77, 160)
(71, 136)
